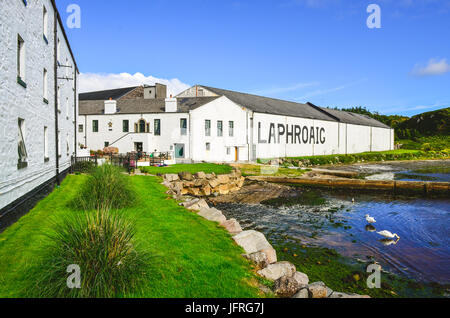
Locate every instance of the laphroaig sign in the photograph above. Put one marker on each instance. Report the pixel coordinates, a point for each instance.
(291, 134)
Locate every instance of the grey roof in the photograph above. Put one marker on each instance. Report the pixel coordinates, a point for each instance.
(106, 94)
(142, 106)
(274, 106)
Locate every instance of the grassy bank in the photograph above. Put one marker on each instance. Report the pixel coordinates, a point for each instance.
(258, 170)
(192, 168)
(393, 155)
(190, 257)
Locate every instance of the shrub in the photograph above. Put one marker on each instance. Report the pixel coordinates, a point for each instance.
(106, 188)
(101, 244)
(426, 147)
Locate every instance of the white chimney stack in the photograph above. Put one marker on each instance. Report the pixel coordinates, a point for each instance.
(171, 105)
(110, 106)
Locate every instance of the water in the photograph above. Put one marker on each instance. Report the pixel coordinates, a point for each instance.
(422, 253)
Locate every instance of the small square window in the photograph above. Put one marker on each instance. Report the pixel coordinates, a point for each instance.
(208, 146)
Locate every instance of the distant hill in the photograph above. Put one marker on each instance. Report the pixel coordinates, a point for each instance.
(427, 124)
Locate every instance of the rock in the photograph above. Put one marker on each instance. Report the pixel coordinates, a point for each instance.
(214, 183)
(258, 258)
(201, 183)
(317, 290)
(223, 179)
(277, 270)
(232, 226)
(177, 186)
(209, 176)
(224, 189)
(344, 295)
(329, 291)
(286, 286)
(194, 191)
(302, 293)
(187, 176)
(264, 289)
(241, 182)
(212, 214)
(253, 241)
(200, 175)
(205, 191)
(184, 191)
(301, 278)
(171, 177)
(198, 205)
(187, 204)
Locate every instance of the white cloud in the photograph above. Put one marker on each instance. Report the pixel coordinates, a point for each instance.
(95, 82)
(434, 67)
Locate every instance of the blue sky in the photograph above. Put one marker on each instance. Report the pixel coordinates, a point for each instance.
(302, 50)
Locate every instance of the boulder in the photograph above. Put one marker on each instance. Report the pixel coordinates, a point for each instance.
(194, 191)
(241, 182)
(201, 183)
(286, 286)
(209, 176)
(177, 186)
(224, 189)
(301, 278)
(317, 290)
(223, 179)
(171, 177)
(188, 203)
(205, 191)
(214, 183)
(187, 176)
(198, 205)
(258, 258)
(344, 295)
(232, 226)
(184, 191)
(200, 175)
(253, 241)
(329, 291)
(212, 214)
(277, 270)
(302, 293)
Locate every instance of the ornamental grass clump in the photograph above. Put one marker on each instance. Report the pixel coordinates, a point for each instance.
(106, 188)
(102, 244)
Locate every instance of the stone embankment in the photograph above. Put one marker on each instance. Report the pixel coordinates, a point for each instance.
(288, 282)
(202, 184)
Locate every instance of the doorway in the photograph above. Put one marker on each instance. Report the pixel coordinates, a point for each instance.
(138, 147)
(236, 154)
(179, 151)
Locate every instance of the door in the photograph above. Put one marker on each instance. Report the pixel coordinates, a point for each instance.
(138, 147)
(236, 154)
(179, 151)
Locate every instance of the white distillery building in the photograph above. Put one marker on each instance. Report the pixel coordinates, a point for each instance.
(37, 101)
(215, 125)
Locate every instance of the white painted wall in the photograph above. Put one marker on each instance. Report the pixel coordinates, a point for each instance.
(27, 103)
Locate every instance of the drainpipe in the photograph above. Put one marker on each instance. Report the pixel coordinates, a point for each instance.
(55, 52)
(75, 108)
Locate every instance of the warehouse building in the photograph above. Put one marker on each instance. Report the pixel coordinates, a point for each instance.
(38, 104)
(216, 125)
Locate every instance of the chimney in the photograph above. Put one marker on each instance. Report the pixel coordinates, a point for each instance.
(171, 105)
(110, 106)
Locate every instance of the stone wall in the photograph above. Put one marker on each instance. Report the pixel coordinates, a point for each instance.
(202, 184)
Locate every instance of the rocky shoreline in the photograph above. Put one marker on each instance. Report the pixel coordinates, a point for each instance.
(288, 282)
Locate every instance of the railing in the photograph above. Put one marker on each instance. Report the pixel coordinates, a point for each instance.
(132, 160)
(83, 164)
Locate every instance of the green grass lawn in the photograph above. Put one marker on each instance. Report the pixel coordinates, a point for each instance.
(191, 257)
(192, 168)
(402, 154)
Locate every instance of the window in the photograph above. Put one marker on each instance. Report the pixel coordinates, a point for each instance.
(183, 126)
(46, 144)
(80, 128)
(228, 150)
(45, 25)
(67, 145)
(59, 144)
(95, 126)
(157, 127)
(219, 128)
(142, 126)
(125, 126)
(106, 144)
(208, 146)
(45, 86)
(207, 127)
(231, 128)
(21, 61)
(22, 149)
(58, 54)
(200, 93)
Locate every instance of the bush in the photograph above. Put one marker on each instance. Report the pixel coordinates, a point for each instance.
(426, 147)
(101, 244)
(106, 188)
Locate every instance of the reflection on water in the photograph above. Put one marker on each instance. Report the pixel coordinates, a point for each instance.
(422, 253)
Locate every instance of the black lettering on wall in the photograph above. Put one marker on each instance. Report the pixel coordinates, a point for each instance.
(317, 136)
(298, 132)
(291, 134)
(322, 136)
(272, 134)
(311, 136)
(305, 135)
(281, 131)
(261, 141)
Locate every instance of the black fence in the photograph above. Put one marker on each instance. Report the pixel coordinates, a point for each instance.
(83, 164)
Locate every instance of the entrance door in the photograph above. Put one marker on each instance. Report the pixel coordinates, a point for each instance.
(179, 151)
(236, 154)
(138, 147)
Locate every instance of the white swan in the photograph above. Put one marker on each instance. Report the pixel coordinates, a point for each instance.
(370, 219)
(388, 234)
